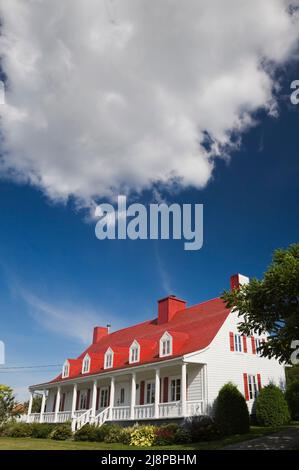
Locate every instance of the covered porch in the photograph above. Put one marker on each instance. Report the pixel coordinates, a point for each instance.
(175, 389)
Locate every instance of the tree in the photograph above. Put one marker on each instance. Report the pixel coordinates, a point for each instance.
(272, 305)
(36, 404)
(7, 403)
(231, 412)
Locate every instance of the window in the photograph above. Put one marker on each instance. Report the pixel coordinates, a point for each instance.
(166, 345)
(175, 389)
(122, 396)
(238, 343)
(134, 352)
(104, 397)
(150, 392)
(252, 386)
(86, 364)
(108, 361)
(83, 400)
(65, 370)
(257, 345)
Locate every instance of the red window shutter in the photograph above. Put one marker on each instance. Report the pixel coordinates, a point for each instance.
(165, 390)
(246, 390)
(62, 402)
(231, 341)
(98, 398)
(253, 345)
(259, 381)
(160, 398)
(78, 400)
(141, 398)
(88, 399)
(244, 344)
(54, 402)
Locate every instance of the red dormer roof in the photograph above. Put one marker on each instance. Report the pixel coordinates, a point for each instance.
(192, 329)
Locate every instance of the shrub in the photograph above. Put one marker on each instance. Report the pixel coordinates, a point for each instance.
(201, 428)
(271, 407)
(182, 436)
(292, 398)
(14, 429)
(143, 436)
(87, 433)
(231, 412)
(41, 430)
(110, 433)
(164, 436)
(61, 432)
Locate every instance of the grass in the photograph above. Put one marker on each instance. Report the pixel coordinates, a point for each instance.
(8, 443)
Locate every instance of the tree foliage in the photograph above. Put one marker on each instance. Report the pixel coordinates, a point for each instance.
(272, 304)
(7, 403)
(231, 412)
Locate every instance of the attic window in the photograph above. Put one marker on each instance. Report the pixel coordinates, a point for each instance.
(134, 352)
(65, 370)
(108, 360)
(86, 364)
(166, 345)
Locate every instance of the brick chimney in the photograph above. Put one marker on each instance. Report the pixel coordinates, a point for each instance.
(99, 332)
(168, 307)
(238, 280)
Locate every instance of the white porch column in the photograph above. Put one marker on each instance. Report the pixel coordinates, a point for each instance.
(157, 392)
(74, 400)
(94, 399)
(57, 405)
(133, 395)
(184, 389)
(43, 405)
(111, 400)
(30, 407)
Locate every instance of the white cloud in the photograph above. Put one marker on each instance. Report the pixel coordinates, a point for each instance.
(66, 319)
(110, 96)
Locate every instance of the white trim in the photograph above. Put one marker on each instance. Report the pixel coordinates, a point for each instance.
(108, 358)
(166, 345)
(135, 346)
(65, 369)
(86, 364)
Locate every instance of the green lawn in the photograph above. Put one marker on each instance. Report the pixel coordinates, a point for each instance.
(8, 443)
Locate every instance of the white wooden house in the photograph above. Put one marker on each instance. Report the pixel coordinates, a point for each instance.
(170, 367)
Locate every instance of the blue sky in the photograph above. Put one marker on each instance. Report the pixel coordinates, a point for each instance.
(52, 262)
(91, 110)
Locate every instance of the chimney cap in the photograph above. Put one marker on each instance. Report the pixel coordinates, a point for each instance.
(171, 296)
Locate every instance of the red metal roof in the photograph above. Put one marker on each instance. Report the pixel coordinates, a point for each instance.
(192, 329)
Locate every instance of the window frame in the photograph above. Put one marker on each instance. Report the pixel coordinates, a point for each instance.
(177, 390)
(150, 387)
(166, 345)
(66, 366)
(108, 359)
(134, 353)
(86, 360)
(252, 386)
(238, 345)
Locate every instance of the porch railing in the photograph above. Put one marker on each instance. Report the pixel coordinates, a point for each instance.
(144, 411)
(170, 409)
(195, 408)
(120, 413)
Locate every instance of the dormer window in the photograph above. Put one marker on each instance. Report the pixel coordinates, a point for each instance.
(134, 352)
(166, 345)
(86, 364)
(65, 370)
(108, 360)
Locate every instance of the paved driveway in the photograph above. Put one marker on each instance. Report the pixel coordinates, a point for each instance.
(286, 439)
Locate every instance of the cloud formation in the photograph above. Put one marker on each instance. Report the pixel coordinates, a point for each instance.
(110, 96)
(73, 321)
